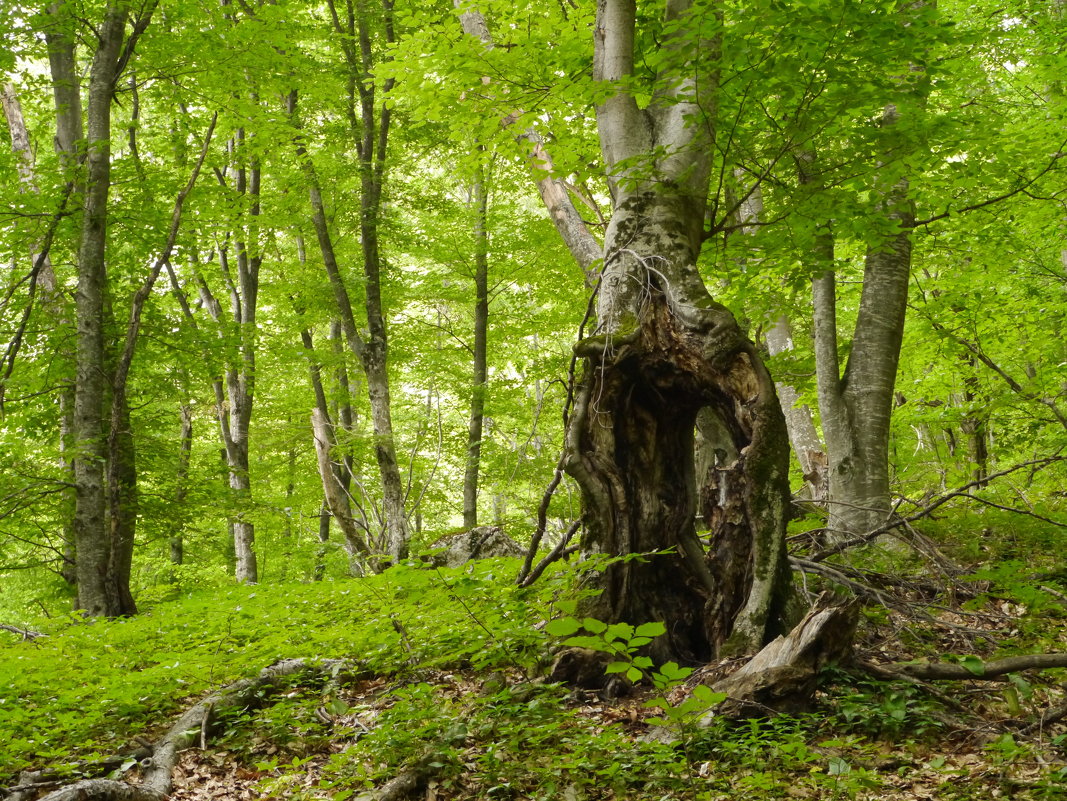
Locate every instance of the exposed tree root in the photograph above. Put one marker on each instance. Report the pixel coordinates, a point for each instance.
(413, 779)
(190, 729)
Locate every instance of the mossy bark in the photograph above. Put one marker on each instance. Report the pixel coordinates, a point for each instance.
(668, 353)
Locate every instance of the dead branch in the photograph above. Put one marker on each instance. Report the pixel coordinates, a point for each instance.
(25, 634)
(1048, 717)
(187, 731)
(927, 510)
(950, 671)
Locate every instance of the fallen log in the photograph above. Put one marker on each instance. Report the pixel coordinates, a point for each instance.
(25, 634)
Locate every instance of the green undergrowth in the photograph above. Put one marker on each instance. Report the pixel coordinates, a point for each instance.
(89, 686)
(452, 666)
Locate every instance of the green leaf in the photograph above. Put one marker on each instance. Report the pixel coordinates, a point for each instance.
(593, 625)
(973, 664)
(619, 631)
(707, 695)
(838, 767)
(617, 667)
(654, 629)
(634, 674)
(562, 627)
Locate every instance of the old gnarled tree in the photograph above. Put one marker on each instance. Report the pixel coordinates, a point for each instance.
(665, 352)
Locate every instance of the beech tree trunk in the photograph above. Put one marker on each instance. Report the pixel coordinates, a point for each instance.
(369, 123)
(480, 370)
(665, 351)
(98, 574)
(856, 405)
(803, 436)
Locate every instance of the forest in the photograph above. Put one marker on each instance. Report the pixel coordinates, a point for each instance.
(564, 400)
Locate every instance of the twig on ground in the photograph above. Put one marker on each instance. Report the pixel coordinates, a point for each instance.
(25, 634)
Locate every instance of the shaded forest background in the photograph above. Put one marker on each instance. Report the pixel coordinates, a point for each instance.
(389, 148)
(295, 293)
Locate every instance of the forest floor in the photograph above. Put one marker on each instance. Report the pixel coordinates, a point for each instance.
(444, 696)
(864, 739)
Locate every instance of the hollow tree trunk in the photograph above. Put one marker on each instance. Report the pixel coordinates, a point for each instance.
(672, 352)
(664, 351)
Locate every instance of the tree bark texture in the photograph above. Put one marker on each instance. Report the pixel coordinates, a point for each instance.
(664, 351)
(856, 405)
(97, 591)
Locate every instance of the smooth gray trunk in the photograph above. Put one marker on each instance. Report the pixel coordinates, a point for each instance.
(480, 371)
(98, 593)
(803, 436)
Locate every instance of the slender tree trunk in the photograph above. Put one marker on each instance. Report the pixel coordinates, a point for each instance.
(856, 407)
(235, 391)
(54, 301)
(480, 377)
(95, 593)
(369, 124)
(185, 452)
(804, 438)
(319, 571)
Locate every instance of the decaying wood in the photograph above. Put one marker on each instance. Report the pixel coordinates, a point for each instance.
(156, 769)
(782, 676)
